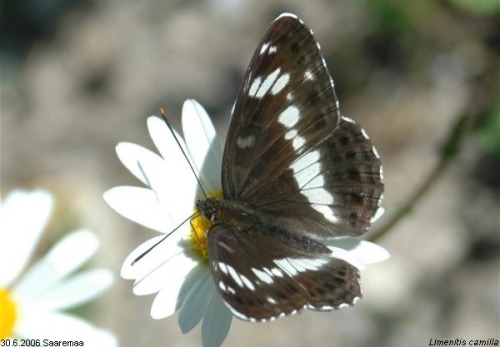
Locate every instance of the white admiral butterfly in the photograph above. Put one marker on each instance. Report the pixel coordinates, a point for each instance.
(295, 172)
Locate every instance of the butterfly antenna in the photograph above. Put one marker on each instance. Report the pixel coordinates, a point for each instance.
(162, 239)
(182, 150)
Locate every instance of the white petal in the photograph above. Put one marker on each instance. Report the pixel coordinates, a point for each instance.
(77, 290)
(204, 146)
(341, 253)
(172, 185)
(216, 323)
(141, 205)
(178, 162)
(196, 301)
(165, 141)
(367, 252)
(132, 270)
(65, 257)
(165, 302)
(190, 281)
(62, 327)
(132, 156)
(174, 268)
(23, 217)
(165, 250)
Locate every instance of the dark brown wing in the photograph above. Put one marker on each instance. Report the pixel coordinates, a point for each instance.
(264, 273)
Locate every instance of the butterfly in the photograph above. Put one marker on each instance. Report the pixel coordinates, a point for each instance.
(295, 172)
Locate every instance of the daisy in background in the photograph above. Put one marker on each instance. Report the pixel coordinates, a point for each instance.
(31, 301)
(177, 268)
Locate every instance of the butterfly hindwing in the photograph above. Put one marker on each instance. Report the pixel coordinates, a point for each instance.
(337, 187)
(279, 276)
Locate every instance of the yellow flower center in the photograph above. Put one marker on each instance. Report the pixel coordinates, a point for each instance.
(199, 228)
(8, 314)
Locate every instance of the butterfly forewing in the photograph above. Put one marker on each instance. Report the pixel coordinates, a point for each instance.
(287, 93)
(288, 152)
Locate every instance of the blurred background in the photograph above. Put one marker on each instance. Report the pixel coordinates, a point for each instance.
(79, 76)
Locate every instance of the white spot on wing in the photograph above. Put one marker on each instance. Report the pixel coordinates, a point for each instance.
(247, 282)
(226, 247)
(293, 266)
(268, 271)
(245, 142)
(264, 48)
(318, 195)
(305, 161)
(298, 142)
(254, 88)
(271, 49)
(316, 182)
(313, 263)
(277, 272)
(290, 134)
(267, 83)
(280, 83)
(271, 300)
(286, 266)
(289, 117)
(380, 199)
(306, 175)
(261, 275)
(235, 276)
(365, 135)
(308, 75)
(326, 211)
(223, 268)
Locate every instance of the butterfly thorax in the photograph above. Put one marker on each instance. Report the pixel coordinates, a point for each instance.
(228, 212)
(243, 219)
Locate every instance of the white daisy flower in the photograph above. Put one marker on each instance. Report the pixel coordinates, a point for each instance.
(32, 302)
(177, 268)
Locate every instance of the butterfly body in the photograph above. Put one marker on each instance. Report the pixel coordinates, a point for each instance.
(295, 173)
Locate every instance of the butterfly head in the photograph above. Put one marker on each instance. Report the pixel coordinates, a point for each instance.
(205, 215)
(208, 208)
